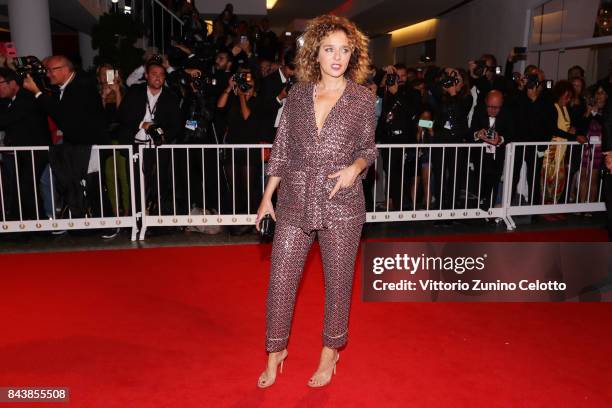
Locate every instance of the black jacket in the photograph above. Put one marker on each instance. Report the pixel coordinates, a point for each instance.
(132, 111)
(532, 124)
(504, 124)
(452, 110)
(271, 86)
(404, 106)
(79, 114)
(24, 122)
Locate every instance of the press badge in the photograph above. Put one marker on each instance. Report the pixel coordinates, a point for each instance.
(191, 124)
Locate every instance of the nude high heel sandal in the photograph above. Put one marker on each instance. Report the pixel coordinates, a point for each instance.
(315, 385)
(264, 382)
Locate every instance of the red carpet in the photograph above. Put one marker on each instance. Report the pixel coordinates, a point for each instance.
(184, 327)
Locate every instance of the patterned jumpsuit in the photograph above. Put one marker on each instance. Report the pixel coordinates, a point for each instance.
(303, 159)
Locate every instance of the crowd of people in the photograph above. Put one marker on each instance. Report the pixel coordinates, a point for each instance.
(228, 87)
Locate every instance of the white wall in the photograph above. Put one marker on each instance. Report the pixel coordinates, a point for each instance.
(483, 26)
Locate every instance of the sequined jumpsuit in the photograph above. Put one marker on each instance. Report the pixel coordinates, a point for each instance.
(303, 160)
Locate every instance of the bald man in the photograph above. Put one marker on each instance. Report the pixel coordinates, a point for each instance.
(492, 126)
(76, 107)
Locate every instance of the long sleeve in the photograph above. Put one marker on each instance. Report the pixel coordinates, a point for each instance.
(366, 146)
(135, 76)
(278, 157)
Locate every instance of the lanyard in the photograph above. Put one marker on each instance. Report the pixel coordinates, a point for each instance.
(152, 111)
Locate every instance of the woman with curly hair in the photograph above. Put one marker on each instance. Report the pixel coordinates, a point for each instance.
(323, 147)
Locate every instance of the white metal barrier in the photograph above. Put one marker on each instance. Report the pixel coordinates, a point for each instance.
(29, 198)
(213, 185)
(560, 177)
(452, 188)
(178, 176)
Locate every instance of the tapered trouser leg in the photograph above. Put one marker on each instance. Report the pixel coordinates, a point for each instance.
(339, 247)
(289, 250)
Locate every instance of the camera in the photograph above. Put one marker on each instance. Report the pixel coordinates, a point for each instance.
(447, 81)
(156, 133)
(391, 79)
(480, 68)
(241, 79)
(532, 82)
(491, 133)
(32, 66)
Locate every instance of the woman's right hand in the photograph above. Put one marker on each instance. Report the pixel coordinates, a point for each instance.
(265, 207)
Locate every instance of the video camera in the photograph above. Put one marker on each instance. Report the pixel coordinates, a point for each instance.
(32, 66)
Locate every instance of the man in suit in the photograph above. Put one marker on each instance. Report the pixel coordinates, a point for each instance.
(492, 125)
(24, 124)
(273, 93)
(76, 108)
(143, 106)
(148, 104)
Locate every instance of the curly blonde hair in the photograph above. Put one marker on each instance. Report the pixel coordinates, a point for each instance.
(307, 66)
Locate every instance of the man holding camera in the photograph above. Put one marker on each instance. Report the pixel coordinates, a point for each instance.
(492, 125)
(150, 115)
(530, 112)
(487, 76)
(24, 124)
(76, 108)
(274, 89)
(397, 124)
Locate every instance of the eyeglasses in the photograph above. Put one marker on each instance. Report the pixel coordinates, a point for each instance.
(493, 107)
(55, 68)
(4, 82)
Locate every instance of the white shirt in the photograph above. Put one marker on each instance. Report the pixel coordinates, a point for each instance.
(149, 116)
(64, 85)
(280, 110)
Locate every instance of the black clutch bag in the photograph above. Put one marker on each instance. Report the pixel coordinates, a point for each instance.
(266, 228)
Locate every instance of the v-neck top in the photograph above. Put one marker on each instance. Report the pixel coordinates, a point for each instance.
(303, 160)
(314, 91)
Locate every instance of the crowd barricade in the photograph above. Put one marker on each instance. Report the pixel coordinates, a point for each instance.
(433, 182)
(201, 185)
(210, 186)
(33, 197)
(554, 178)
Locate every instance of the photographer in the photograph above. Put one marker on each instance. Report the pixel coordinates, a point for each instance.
(76, 109)
(453, 103)
(149, 114)
(531, 126)
(492, 125)
(397, 125)
(240, 102)
(243, 55)
(273, 91)
(24, 124)
(485, 78)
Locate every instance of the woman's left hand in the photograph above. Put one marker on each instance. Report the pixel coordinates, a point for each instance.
(346, 178)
